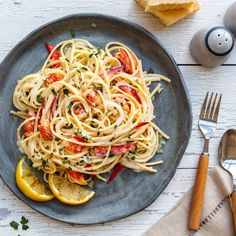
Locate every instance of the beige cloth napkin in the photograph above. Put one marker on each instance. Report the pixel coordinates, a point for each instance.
(217, 219)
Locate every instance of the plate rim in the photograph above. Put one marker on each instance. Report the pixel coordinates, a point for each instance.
(174, 64)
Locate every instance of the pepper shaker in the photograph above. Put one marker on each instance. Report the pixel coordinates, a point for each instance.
(230, 18)
(211, 47)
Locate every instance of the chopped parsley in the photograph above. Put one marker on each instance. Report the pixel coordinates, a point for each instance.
(150, 71)
(44, 162)
(67, 59)
(79, 131)
(98, 88)
(84, 68)
(132, 158)
(78, 70)
(111, 154)
(25, 227)
(115, 126)
(61, 149)
(14, 225)
(24, 220)
(98, 52)
(39, 98)
(91, 55)
(65, 160)
(69, 168)
(54, 92)
(70, 104)
(112, 139)
(66, 92)
(85, 138)
(72, 32)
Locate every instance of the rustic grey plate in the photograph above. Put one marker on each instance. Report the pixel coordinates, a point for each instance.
(130, 192)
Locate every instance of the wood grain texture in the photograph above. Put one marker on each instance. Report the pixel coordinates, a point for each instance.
(198, 193)
(20, 17)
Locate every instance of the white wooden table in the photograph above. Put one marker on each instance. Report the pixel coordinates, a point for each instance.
(19, 17)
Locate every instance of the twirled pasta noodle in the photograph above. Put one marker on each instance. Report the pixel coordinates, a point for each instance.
(92, 109)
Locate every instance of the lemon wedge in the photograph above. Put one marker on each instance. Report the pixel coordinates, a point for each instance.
(30, 185)
(67, 192)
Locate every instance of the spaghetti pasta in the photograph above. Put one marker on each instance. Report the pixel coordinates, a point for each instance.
(88, 109)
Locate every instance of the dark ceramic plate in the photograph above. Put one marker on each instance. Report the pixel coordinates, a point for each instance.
(130, 192)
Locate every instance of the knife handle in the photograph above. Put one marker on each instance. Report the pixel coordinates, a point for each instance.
(233, 207)
(198, 193)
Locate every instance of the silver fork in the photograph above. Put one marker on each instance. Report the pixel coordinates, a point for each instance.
(207, 124)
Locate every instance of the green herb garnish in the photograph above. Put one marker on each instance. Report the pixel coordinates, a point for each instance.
(25, 227)
(111, 154)
(39, 98)
(54, 92)
(24, 220)
(72, 32)
(70, 104)
(84, 68)
(44, 162)
(14, 225)
(150, 71)
(66, 92)
(98, 88)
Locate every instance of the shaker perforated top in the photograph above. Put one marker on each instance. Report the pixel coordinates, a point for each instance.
(219, 41)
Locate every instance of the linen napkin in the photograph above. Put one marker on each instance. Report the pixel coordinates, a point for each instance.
(217, 218)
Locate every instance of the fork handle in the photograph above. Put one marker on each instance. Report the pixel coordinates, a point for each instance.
(198, 193)
(233, 207)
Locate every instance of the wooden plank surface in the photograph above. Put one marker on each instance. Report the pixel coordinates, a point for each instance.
(20, 17)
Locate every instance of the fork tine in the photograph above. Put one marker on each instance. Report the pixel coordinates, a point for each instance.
(215, 117)
(202, 113)
(213, 107)
(208, 107)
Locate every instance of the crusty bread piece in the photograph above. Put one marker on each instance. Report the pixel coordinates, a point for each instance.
(170, 11)
(170, 17)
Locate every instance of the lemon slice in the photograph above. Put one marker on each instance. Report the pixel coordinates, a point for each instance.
(30, 185)
(67, 192)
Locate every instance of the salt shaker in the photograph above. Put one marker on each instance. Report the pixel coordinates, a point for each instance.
(211, 47)
(230, 18)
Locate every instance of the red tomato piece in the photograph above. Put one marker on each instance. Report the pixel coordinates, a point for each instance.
(55, 55)
(52, 79)
(93, 99)
(29, 126)
(115, 172)
(78, 177)
(79, 138)
(141, 124)
(74, 147)
(45, 131)
(100, 151)
(124, 59)
(80, 111)
(118, 150)
(130, 91)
